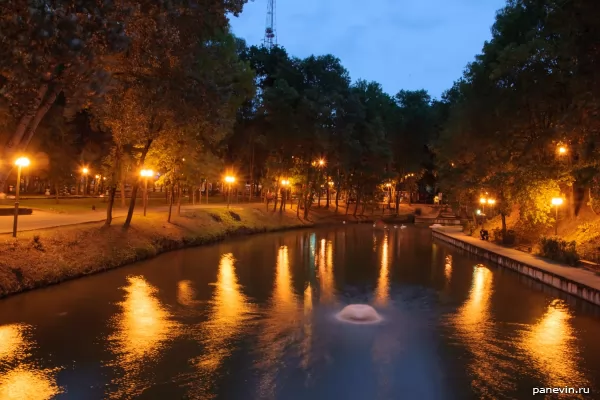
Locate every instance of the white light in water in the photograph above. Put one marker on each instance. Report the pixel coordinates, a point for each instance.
(359, 314)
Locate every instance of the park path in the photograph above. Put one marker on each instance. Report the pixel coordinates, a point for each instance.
(45, 220)
(579, 275)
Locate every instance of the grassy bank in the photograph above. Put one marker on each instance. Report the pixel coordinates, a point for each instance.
(40, 258)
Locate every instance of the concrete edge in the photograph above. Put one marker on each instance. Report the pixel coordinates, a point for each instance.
(569, 286)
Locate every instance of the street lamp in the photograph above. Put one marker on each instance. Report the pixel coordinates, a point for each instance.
(146, 174)
(562, 150)
(20, 163)
(389, 188)
(321, 162)
(229, 180)
(482, 201)
(85, 172)
(556, 201)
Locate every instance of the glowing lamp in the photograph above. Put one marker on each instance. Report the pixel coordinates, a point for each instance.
(22, 162)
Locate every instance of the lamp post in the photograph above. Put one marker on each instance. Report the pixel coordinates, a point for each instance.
(20, 163)
(97, 184)
(146, 174)
(491, 202)
(85, 172)
(229, 180)
(389, 188)
(482, 201)
(556, 201)
(284, 183)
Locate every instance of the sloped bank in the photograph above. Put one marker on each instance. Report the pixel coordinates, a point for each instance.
(40, 258)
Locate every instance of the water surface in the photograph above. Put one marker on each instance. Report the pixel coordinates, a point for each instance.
(255, 318)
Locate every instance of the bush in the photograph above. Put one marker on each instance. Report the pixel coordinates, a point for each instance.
(216, 218)
(559, 250)
(235, 216)
(509, 239)
(468, 227)
(418, 211)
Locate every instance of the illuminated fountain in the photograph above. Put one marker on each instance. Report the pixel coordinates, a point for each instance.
(359, 314)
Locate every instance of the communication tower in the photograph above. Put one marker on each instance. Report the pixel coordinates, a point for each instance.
(270, 39)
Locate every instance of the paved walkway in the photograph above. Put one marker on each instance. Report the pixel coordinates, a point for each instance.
(579, 275)
(45, 220)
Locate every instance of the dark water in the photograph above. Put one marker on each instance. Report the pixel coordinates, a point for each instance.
(255, 319)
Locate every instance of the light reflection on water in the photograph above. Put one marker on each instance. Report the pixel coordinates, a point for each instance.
(20, 378)
(230, 309)
(265, 327)
(382, 293)
(142, 329)
(551, 346)
(477, 329)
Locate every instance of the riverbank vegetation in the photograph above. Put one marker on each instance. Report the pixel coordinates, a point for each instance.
(140, 85)
(40, 258)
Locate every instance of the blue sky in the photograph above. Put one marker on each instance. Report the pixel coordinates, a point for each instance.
(402, 44)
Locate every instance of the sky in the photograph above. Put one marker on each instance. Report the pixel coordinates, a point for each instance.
(402, 44)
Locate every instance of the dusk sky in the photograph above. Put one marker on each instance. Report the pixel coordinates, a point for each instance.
(402, 44)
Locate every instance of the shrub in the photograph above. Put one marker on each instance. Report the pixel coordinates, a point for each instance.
(418, 211)
(508, 239)
(560, 250)
(37, 243)
(235, 216)
(216, 217)
(468, 227)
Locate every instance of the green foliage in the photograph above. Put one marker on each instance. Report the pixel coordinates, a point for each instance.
(468, 227)
(559, 250)
(535, 203)
(507, 238)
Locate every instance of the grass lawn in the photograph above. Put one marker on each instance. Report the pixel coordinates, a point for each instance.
(78, 205)
(42, 257)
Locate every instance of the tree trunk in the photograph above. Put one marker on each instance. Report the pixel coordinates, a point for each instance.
(179, 195)
(397, 203)
(134, 190)
(276, 198)
(327, 194)
(56, 191)
(282, 206)
(193, 196)
(357, 202)
(111, 202)
(39, 115)
(503, 224)
(172, 193)
(348, 200)
(337, 200)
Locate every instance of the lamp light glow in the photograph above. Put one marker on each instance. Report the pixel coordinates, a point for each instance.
(557, 201)
(22, 162)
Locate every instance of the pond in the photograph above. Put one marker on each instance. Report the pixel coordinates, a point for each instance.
(257, 318)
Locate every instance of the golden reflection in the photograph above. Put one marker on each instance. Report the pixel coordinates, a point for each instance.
(142, 329)
(382, 292)
(185, 293)
(230, 309)
(326, 278)
(26, 381)
(551, 345)
(490, 367)
(30, 384)
(11, 342)
(282, 319)
(448, 268)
